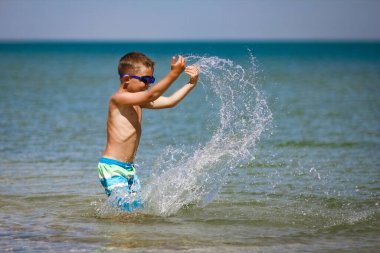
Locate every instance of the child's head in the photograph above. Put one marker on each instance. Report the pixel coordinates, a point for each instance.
(132, 62)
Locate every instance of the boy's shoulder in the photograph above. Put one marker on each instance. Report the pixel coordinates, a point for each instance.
(116, 96)
(115, 103)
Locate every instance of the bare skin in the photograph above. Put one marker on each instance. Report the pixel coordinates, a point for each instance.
(124, 122)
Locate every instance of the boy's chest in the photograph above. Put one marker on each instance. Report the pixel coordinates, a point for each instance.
(133, 114)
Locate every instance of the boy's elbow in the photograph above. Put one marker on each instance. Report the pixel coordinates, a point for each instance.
(151, 96)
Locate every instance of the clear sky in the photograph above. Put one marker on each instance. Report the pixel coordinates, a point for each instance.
(190, 20)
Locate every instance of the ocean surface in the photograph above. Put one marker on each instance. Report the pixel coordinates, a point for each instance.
(276, 149)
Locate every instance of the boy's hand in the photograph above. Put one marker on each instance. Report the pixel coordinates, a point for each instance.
(193, 72)
(178, 66)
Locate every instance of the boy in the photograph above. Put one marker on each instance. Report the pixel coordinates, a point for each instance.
(116, 169)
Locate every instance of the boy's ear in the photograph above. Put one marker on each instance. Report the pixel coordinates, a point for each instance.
(125, 79)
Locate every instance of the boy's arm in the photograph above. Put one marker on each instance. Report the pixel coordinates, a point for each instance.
(143, 97)
(173, 100)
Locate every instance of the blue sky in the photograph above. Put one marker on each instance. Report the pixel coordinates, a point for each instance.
(190, 20)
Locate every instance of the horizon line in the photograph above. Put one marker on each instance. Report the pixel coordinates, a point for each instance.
(301, 40)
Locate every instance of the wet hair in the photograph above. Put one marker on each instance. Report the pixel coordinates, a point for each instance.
(128, 63)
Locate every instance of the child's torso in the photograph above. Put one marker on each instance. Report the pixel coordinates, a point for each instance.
(123, 132)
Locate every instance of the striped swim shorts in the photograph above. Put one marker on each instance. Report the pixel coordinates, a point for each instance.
(115, 174)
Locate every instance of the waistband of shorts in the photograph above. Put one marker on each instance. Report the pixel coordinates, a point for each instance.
(110, 161)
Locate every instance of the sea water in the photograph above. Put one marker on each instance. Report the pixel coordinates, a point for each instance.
(276, 149)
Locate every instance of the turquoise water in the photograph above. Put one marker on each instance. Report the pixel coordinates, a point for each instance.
(275, 150)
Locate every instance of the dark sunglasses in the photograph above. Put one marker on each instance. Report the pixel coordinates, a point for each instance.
(145, 79)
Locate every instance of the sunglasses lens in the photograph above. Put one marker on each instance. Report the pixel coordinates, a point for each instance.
(147, 79)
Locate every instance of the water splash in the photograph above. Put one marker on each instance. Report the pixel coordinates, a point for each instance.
(196, 177)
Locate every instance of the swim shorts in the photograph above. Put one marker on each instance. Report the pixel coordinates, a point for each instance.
(114, 174)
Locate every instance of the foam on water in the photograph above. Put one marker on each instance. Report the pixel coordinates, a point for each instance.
(196, 177)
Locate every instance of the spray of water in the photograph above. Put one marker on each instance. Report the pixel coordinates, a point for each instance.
(184, 178)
